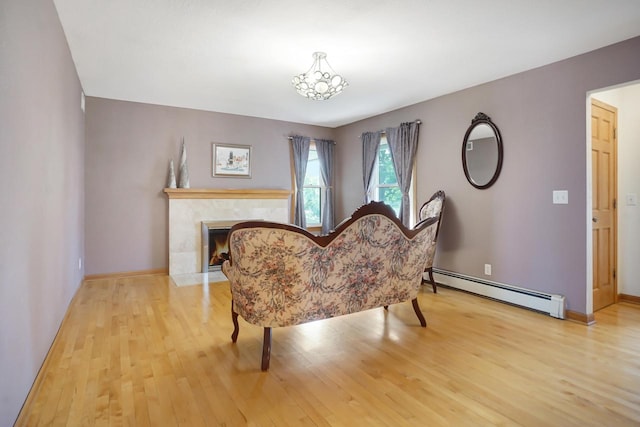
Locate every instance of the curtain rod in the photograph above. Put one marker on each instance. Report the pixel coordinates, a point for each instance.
(384, 132)
(416, 121)
(290, 138)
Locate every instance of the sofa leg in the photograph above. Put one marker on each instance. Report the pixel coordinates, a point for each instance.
(266, 349)
(416, 308)
(433, 282)
(236, 327)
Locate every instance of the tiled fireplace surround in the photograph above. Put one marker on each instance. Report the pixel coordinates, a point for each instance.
(189, 207)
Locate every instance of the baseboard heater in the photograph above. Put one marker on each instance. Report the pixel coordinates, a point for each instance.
(552, 304)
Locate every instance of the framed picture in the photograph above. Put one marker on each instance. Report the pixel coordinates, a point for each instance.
(231, 160)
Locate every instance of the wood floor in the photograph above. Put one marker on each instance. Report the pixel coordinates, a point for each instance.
(140, 351)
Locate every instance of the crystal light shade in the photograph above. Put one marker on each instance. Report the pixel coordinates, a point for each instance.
(320, 81)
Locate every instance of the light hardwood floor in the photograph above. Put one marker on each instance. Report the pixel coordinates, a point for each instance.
(140, 351)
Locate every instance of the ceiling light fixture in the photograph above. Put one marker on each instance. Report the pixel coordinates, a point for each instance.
(320, 81)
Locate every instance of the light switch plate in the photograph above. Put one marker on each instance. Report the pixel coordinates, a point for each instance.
(560, 197)
(632, 199)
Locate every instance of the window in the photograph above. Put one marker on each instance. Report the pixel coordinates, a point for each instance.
(384, 183)
(313, 189)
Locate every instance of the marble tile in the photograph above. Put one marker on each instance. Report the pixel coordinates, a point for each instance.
(186, 216)
(189, 279)
(184, 262)
(193, 279)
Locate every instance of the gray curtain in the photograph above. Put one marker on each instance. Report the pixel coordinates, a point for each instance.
(370, 144)
(300, 145)
(403, 144)
(324, 148)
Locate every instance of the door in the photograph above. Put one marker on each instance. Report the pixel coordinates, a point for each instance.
(604, 170)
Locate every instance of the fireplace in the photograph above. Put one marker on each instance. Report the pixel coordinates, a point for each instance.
(214, 244)
(222, 208)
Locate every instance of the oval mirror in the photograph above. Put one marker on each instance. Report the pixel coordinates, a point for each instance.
(482, 152)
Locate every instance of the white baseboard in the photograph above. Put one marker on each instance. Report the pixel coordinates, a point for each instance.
(554, 305)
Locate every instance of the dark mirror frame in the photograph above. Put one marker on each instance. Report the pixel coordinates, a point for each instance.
(482, 118)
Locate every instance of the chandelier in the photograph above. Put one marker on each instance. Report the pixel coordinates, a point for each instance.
(320, 81)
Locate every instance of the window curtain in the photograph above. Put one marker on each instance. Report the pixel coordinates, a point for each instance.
(370, 144)
(300, 145)
(403, 144)
(324, 148)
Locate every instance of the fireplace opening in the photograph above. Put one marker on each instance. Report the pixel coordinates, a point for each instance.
(218, 249)
(214, 244)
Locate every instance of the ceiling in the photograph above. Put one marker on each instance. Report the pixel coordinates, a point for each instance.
(239, 56)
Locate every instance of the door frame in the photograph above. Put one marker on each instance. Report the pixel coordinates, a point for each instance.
(589, 233)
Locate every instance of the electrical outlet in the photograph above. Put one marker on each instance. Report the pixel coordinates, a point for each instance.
(632, 199)
(487, 269)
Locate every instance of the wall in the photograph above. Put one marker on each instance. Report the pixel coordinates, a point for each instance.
(41, 191)
(627, 100)
(513, 225)
(129, 146)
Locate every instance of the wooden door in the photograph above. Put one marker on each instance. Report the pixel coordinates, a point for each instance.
(604, 163)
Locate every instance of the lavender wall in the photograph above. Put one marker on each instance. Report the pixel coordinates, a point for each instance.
(129, 146)
(41, 191)
(513, 225)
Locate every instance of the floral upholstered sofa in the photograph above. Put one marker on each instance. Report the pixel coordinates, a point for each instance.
(282, 275)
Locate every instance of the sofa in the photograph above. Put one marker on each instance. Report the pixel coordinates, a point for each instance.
(281, 275)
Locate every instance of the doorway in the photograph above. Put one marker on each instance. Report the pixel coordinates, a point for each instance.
(626, 99)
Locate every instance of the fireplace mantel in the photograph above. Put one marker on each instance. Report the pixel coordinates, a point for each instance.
(221, 193)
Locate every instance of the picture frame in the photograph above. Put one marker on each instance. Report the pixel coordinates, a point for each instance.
(231, 160)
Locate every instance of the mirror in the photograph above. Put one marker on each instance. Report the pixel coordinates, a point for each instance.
(482, 152)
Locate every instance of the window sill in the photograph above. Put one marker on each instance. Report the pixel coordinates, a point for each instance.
(314, 229)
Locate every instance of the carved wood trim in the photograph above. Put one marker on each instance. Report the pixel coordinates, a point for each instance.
(373, 208)
(416, 308)
(266, 349)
